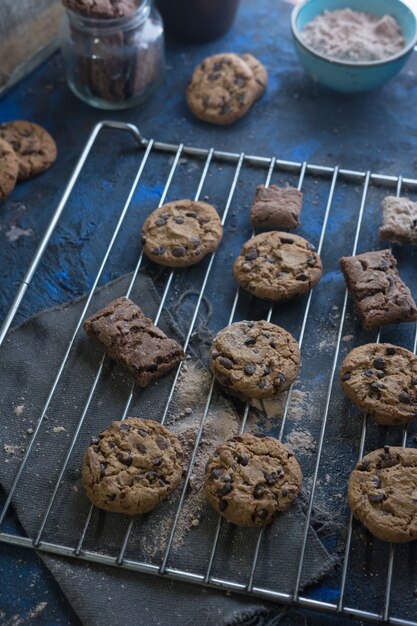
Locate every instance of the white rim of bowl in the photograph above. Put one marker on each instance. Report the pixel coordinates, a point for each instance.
(323, 57)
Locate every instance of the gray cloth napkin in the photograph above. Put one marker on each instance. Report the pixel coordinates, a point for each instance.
(29, 360)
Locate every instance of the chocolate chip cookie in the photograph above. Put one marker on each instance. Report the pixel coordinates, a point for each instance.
(255, 359)
(399, 220)
(250, 478)
(33, 145)
(9, 168)
(375, 285)
(110, 9)
(130, 338)
(276, 207)
(132, 466)
(382, 493)
(222, 89)
(277, 266)
(181, 233)
(381, 379)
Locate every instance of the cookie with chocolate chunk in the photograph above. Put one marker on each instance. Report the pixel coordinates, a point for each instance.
(277, 266)
(181, 233)
(222, 89)
(255, 359)
(34, 147)
(276, 207)
(131, 339)
(9, 168)
(249, 479)
(381, 379)
(259, 72)
(399, 220)
(132, 466)
(382, 493)
(375, 285)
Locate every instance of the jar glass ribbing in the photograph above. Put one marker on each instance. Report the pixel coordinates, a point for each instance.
(114, 63)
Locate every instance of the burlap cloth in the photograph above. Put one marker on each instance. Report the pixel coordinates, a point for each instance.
(29, 360)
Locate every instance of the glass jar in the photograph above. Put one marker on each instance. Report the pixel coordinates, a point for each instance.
(114, 63)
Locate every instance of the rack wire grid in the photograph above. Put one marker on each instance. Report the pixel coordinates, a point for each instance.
(336, 201)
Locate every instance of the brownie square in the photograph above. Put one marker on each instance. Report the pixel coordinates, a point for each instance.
(131, 339)
(276, 207)
(375, 285)
(399, 220)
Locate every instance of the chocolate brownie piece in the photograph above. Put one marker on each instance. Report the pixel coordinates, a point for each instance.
(399, 220)
(131, 339)
(276, 207)
(379, 294)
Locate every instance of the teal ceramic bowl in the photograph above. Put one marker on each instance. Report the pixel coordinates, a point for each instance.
(348, 77)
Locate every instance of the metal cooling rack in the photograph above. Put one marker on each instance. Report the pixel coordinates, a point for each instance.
(337, 178)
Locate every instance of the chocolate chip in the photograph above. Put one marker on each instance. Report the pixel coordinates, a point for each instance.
(161, 443)
(258, 492)
(285, 491)
(251, 255)
(266, 370)
(160, 222)
(158, 251)
(124, 427)
(286, 240)
(266, 334)
(151, 476)
(178, 251)
(225, 362)
(224, 109)
(273, 344)
(203, 220)
(223, 505)
(262, 514)
(364, 466)
(310, 261)
(376, 387)
(141, 448)
(280, 379)
(390, 350)
(250, 341)
(242, 459)
(156, 460)
(346, 376)
(379, 363)
(368, 373)
(414, 381)
(376, 482)
(217, 473)
(302, 276)
(126, 459)
(95, 441)
(179, 220)
(227, 488)
(380, 374)
(111, 497)
(195, 241)
(191, 214)
(261, 384)
(272, 478)
(102, 470)
(404, 397)
(96, 449)
(249, 369)
(377, 497)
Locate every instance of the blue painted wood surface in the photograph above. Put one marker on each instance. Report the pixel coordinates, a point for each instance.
(295, 120)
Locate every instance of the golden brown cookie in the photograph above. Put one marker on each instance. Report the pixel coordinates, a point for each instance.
(382, 493)
(222, 89)
(255, 359)
(181, 233)
(277, 266)
(250, 478)
(132, 466)
(381, 379)
(9, 168)
(34, 147)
